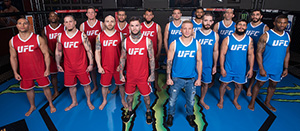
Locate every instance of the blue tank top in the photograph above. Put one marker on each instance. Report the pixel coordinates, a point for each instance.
(184, 61)
(174, 32)
(275, 51)
(196, 26)
(236, 56)
(255, 32)
(224, 31)
(207, 42)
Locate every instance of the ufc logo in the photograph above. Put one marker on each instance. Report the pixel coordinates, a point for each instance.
(71, 44)
(226, 32)
(135, 51)
(110, 42)
(280, 42)
(252, 33)
(186, 53)
(53, 35)
(175, 32)
(205, 41)
(238, 47)
(148, 33)
(92, 32)
(25, 48)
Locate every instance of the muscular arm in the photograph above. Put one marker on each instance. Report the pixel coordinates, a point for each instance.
(250, 58)
(159, 42)
(166, 35)
(88, 48)
(216, 54)
(224, 48)
(58, 51)
(151, 60)
(122, 61)
(199, 64)
(170, 55)
(286, 62)
(216, 27)
(81, 27)
(98, 54)
(266, 28)
(44, 49)
(261, 45)
(45, 37)
(14, 61)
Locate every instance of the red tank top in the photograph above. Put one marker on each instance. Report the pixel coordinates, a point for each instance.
(52, 34)
(137, 60)
(110, 50)
(92, 31)
(75, 59)
(30, 56)
(124, 31)
(151, 32)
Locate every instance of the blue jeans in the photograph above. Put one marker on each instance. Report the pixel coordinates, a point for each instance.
(190, 91)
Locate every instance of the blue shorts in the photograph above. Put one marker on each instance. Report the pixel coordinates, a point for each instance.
(237, 79)
(206, 75)
(273, 77)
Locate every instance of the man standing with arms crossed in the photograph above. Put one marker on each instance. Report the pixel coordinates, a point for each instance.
(152, 30)
(137, 52)
(29, 52)
(209, 41)
(273, 57)
(75, 45)
(108, 48)
(184, 61)
(50, 33)
(92, 27)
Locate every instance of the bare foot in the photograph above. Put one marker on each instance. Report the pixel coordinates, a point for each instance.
(94, 90)
(165, 86)
(101, 107)
(270, 107)
(52, 109)
(204, 105)
(31, 109)
(71, 106)
(251, 107)
(228, 88)
(220, 105)
(91, 106)
(55, 95)
(124, 103)
(237, 105)
(115, 90)
(249, 92)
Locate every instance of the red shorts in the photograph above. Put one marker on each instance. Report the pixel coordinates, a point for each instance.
(144, 88)
(53, 67)
(29, 84)
(71, 80)
(105, 80)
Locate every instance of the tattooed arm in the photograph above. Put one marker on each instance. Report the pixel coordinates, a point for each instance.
(150, 50)
(44, 49)
(199, 65)
(250, 58)
(261, 45)
(98, 55)
(170, 55)
(215, 55)
(88, 48)
(58, 53)
(122, 61)
(224, 48)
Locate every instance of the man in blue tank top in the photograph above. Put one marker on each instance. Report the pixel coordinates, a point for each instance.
(273, 59)
(197, 22)
(255, 29)
(235, 51)
(209, 41)
(184, 61)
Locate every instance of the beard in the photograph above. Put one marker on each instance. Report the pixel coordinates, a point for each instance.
(148, 21)
(206, 27)
(240, 32)
(109, 28)
(121, 21)
(257, 20)
(135, 34)
(198, 17)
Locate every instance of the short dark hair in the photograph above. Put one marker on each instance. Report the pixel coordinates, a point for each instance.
(121, 10)
(256, 10)
(241, 20)
(209, 14)
(135, 18)
(70, 16)
(149, 10)
(176, 9)
(199, 7)
(91, 7)
(282, 16)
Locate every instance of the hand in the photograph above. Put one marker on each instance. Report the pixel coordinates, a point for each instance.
(122, 78)
(118, 68)
(157, 56)
(262, 72)
(170, 82)
(285, 73)
(101, 70)
(198, 82)
(89, 68)
(214, 70)
(47, 72)
(223, 72)
(249, 73)
(151, 78)
(59, 68)
(18, 77)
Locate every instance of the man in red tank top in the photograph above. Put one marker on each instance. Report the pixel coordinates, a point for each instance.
(122, 25)
(29, 53)
(50, 33)
(108, 49)
(92, 27)
(75, 46)
(137, 52)
(153, 31)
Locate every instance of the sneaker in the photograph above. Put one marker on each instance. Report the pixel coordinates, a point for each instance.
(191, 119)
(170, 121)
(148, 117)
(128, 116)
